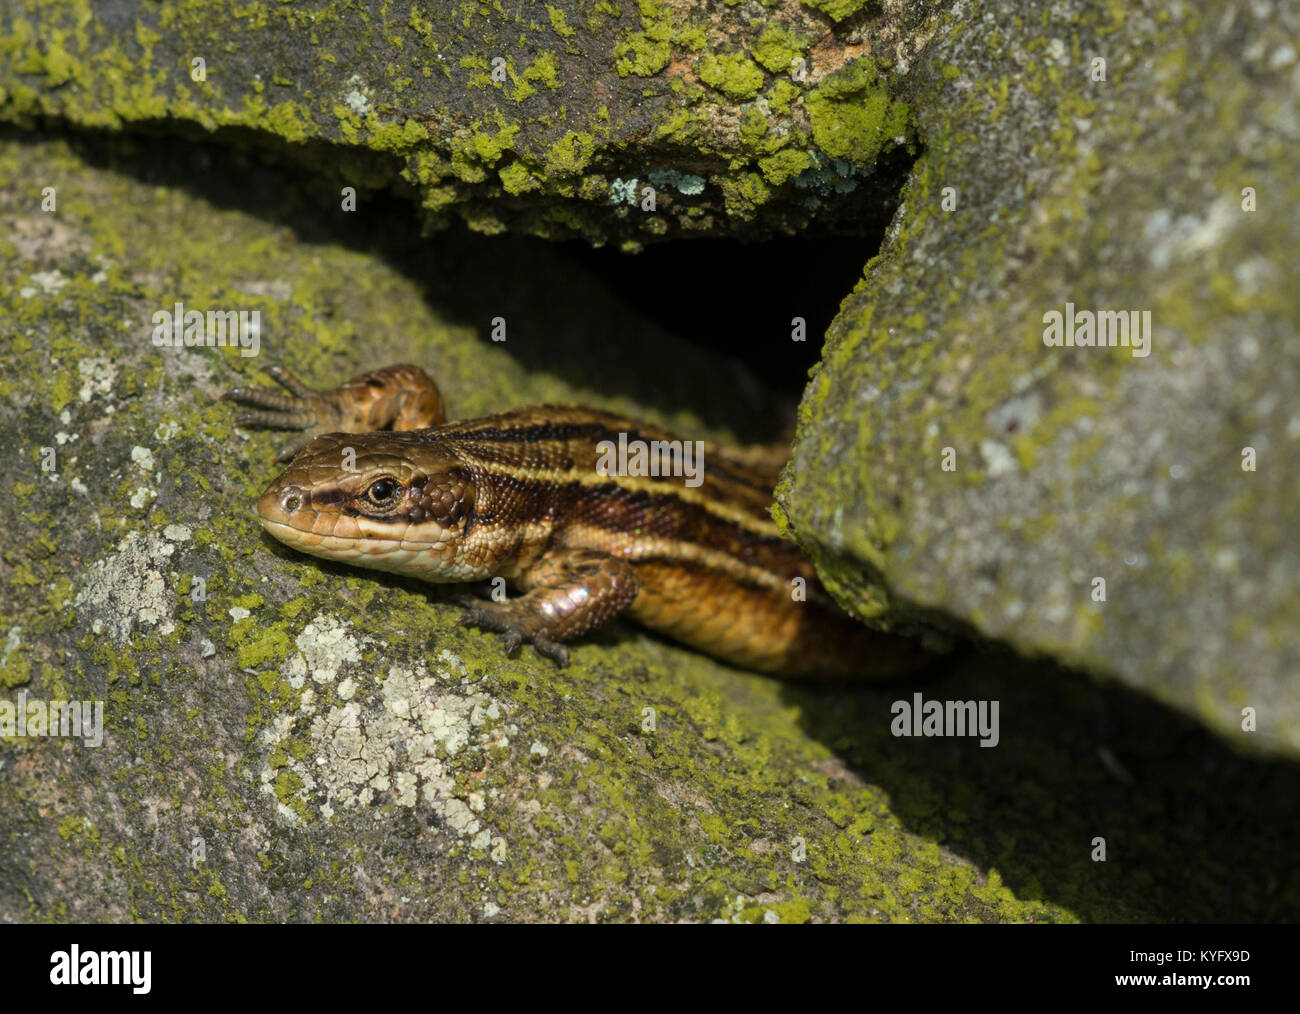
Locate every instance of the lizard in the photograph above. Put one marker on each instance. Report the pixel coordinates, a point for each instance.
(378, 478)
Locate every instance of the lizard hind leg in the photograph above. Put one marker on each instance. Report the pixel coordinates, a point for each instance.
(568, 592)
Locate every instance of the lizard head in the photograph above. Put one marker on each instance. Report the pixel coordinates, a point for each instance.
(388, 501)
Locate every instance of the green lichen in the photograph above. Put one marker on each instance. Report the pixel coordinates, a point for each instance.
(836, 10)
(558, 22)
(777, 48)
(744, 196)
(570, 155)
(423, 110)
(643, 54)
(733, 74)
(852, 115)
(784, 165)
(546, 70)
(695, 821)
(516, 178)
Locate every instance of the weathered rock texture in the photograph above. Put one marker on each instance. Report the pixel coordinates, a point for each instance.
(303, 741)
(309, 742)
(1168, 186)
(549, 118)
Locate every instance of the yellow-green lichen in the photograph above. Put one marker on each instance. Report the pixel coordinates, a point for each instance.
(777, 48)
(837, 10)
(733, 74)
(852, 115)
(558, 22)
(643, 54)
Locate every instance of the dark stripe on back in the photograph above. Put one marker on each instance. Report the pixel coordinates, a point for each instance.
(593, 433)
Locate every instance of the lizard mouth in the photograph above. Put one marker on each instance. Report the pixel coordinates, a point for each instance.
(317, 521)
(396, 554)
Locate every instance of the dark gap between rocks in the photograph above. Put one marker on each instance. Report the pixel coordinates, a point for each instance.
(735, 298)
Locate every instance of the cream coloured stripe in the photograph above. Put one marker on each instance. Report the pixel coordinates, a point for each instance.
(588, 477)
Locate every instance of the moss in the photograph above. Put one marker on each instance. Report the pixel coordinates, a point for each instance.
(418, 110)
(733, 74)
(75, 827)
(696, 819)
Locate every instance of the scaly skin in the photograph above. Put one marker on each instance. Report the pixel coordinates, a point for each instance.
(519, 496)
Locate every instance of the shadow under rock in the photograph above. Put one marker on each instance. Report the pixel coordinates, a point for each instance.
(1194, 831)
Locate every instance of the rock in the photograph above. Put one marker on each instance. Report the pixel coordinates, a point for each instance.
(610, 121)
(287, 740)
(1128, 511)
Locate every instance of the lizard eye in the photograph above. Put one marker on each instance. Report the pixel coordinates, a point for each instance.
(382, 492)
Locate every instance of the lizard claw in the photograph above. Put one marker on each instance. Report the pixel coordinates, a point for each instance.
(482, 614)
(300, 409)
(287, 380)
(553, 650)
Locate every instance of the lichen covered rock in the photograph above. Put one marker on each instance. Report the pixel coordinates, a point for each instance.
(618, 121)
(1129, 510)
(284, 739)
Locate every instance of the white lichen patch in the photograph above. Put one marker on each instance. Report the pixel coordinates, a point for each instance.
(143, 457)
(128, 589)
(279, 289)
(998, 459)
(51, 282)
(324, 646)
(387, 734)
(98, 374)
(13, 640)
(164, 431)
(356, 98)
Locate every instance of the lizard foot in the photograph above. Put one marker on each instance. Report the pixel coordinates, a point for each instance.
(516, 623)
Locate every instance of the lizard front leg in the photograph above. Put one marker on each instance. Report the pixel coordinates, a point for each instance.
(402, 396)
(568, 592)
